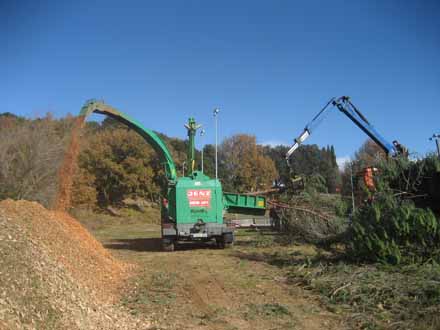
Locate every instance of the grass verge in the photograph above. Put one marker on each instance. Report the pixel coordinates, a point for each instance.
(150, 291)
(95, 221)
(376, 296)
(369, 296)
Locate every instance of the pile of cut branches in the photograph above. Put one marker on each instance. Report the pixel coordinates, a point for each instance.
(375, 296)
(313, 218)
(391, 228)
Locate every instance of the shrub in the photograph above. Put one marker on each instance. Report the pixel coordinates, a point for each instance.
(390, 228)
(31, 152)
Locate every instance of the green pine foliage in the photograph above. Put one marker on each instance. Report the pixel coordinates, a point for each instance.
(391, 228)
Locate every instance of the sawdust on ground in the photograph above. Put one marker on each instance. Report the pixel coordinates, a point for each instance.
(55, 275)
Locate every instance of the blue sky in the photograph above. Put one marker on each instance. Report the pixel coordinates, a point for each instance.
(269, 65)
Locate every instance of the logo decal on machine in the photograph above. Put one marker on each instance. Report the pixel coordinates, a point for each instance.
(199, 197)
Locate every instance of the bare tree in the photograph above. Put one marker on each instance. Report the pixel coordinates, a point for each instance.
(30, 155)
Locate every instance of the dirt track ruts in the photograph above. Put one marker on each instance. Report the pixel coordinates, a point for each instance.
(208, 288)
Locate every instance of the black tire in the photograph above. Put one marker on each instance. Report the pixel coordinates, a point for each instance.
(225, 241)
(228, 239)
(167, 246)
(229, 245)
(220, 242)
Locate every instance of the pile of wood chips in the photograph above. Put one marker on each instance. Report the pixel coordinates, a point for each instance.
(55, 275)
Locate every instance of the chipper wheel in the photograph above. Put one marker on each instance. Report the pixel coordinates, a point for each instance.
(167, 245)
(225, 241)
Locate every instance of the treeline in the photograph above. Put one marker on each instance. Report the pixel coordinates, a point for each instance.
(317, 166)
(115, 163)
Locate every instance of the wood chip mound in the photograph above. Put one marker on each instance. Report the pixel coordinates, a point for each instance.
(55, 275)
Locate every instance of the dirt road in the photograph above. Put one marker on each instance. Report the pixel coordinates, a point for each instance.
(201, 287)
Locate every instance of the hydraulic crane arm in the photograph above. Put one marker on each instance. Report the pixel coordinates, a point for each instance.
(309, 128)
(344, 105)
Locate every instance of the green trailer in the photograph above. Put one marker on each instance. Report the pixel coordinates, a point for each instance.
(244, 204)
(194, 205)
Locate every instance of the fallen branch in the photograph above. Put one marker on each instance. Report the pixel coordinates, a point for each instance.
(326, 218)
(339, 289)
(295, 208)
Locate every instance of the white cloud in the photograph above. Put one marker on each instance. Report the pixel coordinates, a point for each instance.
(342, 161)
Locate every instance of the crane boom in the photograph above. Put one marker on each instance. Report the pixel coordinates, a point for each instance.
(344, 105)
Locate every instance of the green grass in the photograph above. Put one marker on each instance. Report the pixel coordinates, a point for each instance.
(375, 296)
(130, 224)
(266, 311)
(369, 296)
(96, 221)
(151, 291)
(163, 281)
(214, 314)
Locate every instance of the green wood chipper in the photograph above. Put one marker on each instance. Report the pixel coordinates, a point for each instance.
(193, 206)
